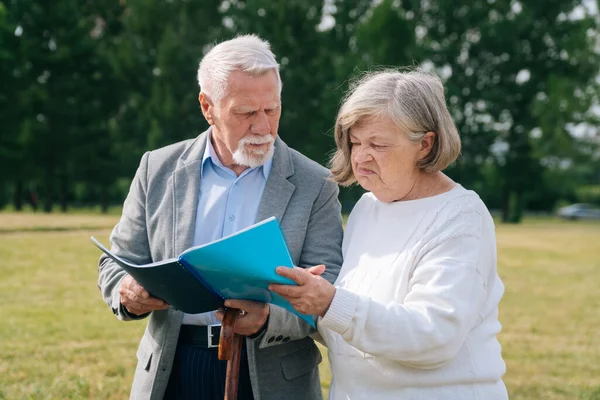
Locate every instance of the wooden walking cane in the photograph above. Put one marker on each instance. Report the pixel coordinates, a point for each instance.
(230, 349)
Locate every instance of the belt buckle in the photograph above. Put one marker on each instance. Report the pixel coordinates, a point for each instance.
(209, 335)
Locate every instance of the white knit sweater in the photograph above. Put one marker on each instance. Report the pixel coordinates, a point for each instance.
(415, 314)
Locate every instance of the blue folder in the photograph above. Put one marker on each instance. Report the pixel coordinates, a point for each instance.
(238, 266)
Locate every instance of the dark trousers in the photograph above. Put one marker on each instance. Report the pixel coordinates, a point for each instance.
(198, 374)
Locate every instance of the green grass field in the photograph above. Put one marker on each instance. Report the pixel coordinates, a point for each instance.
(59, 341)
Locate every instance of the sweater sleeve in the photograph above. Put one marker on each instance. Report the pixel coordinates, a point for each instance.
(446, 293)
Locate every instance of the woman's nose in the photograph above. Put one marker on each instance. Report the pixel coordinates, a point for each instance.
(360, 154)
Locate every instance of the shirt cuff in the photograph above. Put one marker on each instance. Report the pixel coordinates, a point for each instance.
(341, 311)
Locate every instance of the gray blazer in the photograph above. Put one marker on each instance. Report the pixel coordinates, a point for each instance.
(158, 222)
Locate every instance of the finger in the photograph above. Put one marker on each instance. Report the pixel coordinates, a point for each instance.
(125, 283)
(245, 327)
(250, 324)
(297, 274)
(150, 301)
(281, 290)
(142, 308)
(288, 291)
(246, 305)
(134, 310)
(139, 290)
(317, 270)
(138, 308)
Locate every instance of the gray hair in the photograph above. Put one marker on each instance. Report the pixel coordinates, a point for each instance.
(413, 100)
(247, 53)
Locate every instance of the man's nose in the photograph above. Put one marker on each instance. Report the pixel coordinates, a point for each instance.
(260, 124)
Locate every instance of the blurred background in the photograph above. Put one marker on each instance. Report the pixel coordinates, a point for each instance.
(86, 87)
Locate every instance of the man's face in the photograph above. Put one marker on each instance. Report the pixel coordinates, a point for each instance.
(246, 119)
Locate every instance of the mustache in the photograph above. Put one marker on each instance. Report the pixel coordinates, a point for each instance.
(257, 139)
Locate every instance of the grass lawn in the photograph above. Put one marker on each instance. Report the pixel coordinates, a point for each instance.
(58, 340)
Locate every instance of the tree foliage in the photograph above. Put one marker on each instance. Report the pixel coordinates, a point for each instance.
(88, 86)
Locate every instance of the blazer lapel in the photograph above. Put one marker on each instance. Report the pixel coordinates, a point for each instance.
(278, 189)
(186, 189)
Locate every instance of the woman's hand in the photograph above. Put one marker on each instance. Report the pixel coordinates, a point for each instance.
(313, 295)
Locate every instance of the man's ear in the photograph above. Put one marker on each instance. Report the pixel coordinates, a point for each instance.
(427, 144)
(207, 108)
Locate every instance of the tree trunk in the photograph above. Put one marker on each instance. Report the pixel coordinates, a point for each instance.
(512, 206)
(33, 198)
(518, 207)
(104, 199)
(505, 205)
(49, 191)
(18, 196)
(64, 193)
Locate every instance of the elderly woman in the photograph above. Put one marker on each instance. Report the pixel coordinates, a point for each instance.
(414, 311)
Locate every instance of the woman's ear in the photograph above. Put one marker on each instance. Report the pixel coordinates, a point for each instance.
(426, 144)
(207, 107)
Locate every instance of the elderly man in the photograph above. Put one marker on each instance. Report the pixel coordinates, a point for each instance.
(236, 173)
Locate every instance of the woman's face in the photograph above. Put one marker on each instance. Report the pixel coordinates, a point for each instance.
(384, 161)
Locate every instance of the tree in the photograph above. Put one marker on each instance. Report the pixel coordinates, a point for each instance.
(90, 85)
(513, 71)
(62, 72)
(515, 67)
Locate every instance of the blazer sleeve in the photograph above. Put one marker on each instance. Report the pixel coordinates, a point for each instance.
(322, 245)
(129, 240)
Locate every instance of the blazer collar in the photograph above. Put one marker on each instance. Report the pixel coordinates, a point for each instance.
(194, 152)
(186, 190)
(282, 159)
(278, 189)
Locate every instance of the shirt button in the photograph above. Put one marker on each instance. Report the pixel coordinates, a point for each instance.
(231, 217)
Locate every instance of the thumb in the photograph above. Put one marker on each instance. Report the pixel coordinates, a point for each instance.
(317, 270)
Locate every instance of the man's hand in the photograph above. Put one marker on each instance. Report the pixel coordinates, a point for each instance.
(253, 316)
(312, 296)
(136, 299)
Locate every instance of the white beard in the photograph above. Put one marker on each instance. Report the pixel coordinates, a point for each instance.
(250, 157)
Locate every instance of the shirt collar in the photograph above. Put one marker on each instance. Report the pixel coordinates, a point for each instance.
(211, 154)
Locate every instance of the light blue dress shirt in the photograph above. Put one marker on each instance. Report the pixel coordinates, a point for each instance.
(227, 204)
